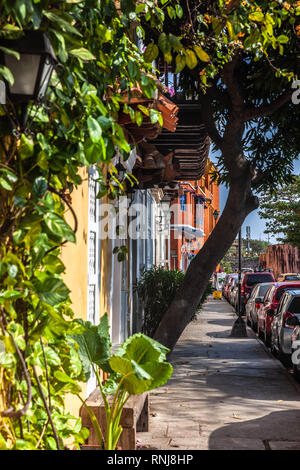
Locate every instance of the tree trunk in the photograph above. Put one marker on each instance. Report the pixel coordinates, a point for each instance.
(239, 204)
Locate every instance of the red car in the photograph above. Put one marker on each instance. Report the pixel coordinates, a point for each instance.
(249, 281)
(268, 308)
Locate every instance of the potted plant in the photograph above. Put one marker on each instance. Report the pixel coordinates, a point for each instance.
(138, 366)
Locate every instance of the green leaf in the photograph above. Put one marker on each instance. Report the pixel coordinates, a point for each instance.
(39, 187)
(140, 360)
(283, 39)
(201, 54)
(6, 74)
(95, 129)
(180, 63)
(82, 53)
(59, 227)
(164, 43)
(151, 52)
(94, 345)
(26, 147)
(65, 26)
(191, 59)
(52, 290)
(10, 52)
(256, 16)
(179, 10)
(5, 184)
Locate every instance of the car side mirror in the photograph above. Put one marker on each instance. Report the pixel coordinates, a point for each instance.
(292, 321)
(258, 300)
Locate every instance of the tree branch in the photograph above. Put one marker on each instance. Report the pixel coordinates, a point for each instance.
(208, 119)
(231, 5)
(233, 87)
(267, 110)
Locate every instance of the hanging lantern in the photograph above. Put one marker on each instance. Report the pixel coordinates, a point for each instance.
(32, 72)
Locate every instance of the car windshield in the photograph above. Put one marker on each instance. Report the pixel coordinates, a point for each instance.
(292, 277)
(258, 278)
(262, 290)
(295, 305)
(281, 291)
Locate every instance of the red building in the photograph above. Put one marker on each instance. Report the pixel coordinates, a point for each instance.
(194, 215)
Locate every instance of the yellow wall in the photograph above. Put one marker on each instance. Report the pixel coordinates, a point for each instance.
(74, 255)
(75, 258)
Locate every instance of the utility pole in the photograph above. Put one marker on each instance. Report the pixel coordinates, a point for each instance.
(239, 327)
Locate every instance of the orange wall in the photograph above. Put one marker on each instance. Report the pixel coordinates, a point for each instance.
(211, 190)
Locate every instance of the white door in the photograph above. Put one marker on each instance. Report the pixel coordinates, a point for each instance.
(93, 290)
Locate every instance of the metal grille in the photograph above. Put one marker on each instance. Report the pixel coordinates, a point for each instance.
(92, 253)
(92, 304)
(93, 200)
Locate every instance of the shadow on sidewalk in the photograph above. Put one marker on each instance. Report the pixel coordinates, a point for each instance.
(281, 427)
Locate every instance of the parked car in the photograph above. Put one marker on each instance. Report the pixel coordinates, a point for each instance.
(254, 303)
(248, 283)
(269, 306)
(247, 270)
(289, 277)
(295, 338)
(235, 295)
(228, 283)
(232, 289)
(285, 320)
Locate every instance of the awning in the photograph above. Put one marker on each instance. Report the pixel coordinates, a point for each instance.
(188, 230)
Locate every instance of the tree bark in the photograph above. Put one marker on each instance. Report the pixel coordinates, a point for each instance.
(239, 204)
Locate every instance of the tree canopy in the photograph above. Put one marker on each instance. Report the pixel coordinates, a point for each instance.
(242, 58)
(281, 211)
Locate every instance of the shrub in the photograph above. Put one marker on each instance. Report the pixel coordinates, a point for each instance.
(157, 288)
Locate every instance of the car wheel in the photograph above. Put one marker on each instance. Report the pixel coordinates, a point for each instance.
(273, 348)
(296, 373)
(248, 320)
(253, 325)
(260, 334)
(284, 358)
(267, 338)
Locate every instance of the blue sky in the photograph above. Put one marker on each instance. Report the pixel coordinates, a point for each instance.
(257, 225)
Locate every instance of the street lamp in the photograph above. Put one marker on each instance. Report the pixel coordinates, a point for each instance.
(31, 71)
(216, 215)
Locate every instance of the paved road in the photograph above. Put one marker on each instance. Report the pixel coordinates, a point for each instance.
(225, 393)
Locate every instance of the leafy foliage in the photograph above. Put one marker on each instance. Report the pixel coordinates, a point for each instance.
(281, 210)
(156, 288)
(239, 59)
(137, 367)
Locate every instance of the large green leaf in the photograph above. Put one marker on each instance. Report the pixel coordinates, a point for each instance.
(141, 361)
(142, 348)
(95, 129)
(52, 290)
(59, 227)
(94, 345)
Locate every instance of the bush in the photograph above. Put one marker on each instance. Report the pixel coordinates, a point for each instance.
(157, 288)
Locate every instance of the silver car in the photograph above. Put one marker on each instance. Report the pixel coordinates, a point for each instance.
(285, 320)
(231, 290)
(254, 303)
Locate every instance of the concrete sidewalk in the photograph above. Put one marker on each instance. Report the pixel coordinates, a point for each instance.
(225, 393)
